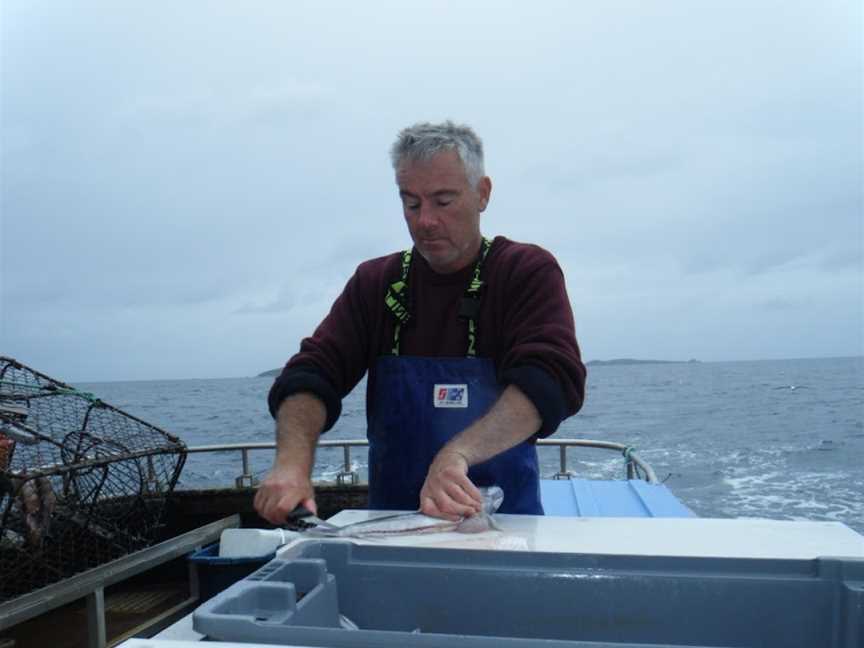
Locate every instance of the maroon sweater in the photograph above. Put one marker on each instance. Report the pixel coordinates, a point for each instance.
(525, 325)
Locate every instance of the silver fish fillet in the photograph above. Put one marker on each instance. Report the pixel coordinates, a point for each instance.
(403, 524)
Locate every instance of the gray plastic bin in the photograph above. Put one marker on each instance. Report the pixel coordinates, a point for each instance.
(402, 596)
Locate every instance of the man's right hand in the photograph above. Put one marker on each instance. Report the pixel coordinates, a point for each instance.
(299, 422)
(282, 490)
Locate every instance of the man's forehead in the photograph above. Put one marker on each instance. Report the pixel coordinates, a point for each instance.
(442, 171)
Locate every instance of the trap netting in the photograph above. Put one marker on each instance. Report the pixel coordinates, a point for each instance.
(81, 482)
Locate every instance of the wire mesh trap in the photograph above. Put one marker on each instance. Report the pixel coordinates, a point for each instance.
(81, 482)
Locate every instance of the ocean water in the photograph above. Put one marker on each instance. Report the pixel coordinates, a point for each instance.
(777, 439)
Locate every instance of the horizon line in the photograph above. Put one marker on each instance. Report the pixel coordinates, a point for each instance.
(650, 360)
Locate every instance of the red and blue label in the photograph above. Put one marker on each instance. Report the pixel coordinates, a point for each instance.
(450, 396)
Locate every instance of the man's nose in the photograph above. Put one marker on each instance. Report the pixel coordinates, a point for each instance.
(426, 217)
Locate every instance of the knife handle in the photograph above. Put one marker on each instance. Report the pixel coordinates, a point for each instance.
(296, 518)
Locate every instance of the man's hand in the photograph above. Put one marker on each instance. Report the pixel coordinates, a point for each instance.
(447, 492)
(280, 493)
(298, 425)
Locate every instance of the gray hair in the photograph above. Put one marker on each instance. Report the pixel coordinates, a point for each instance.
(423, 141)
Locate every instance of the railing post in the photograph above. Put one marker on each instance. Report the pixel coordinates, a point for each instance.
(96, 618)
(563, 473)
(347, 474)
(246, 479)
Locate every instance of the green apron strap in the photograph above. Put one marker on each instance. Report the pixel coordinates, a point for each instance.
(469, 308)
(396, 300)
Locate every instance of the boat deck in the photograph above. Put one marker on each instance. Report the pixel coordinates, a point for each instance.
(610, 498)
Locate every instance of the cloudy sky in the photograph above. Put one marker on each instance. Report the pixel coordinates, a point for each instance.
(187, 186)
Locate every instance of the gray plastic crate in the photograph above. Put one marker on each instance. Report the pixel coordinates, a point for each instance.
(402, 596)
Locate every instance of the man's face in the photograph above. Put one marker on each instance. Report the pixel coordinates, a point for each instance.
(442, 210)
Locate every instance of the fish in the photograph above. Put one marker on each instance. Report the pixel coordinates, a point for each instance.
(37, 501)
(417, 523)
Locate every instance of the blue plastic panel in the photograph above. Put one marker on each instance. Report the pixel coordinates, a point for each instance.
(341, 595)
(612, 498)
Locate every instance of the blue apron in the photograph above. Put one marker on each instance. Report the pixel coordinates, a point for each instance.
(418, 404)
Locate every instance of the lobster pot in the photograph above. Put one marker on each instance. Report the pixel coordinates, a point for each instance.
(81, 482)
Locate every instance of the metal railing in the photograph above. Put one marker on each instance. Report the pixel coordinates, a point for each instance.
(91, 584)
(635, 467)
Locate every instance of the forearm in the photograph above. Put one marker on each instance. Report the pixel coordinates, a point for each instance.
(512, 419)
(447, 491)
(299, 423)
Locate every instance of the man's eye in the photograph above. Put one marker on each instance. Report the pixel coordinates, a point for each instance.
(444, 203)
(412, 206)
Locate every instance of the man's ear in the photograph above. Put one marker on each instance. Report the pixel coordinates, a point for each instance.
(484, 188)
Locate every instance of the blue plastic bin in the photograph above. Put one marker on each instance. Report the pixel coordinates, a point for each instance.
(216, 573)
(406, 597)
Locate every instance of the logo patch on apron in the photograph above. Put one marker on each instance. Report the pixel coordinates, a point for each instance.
(450, 396)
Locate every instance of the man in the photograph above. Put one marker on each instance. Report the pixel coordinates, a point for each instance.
(469, 344)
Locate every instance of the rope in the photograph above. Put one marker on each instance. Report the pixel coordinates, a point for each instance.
(12, 383)
(68, 391)
(631, 463)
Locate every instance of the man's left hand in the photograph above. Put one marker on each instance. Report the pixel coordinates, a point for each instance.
(447, 492)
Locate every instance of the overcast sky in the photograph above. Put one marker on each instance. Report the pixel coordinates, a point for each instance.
(186, 186)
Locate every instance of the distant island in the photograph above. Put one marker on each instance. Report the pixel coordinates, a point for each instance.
(272, 373)
(633, 361)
